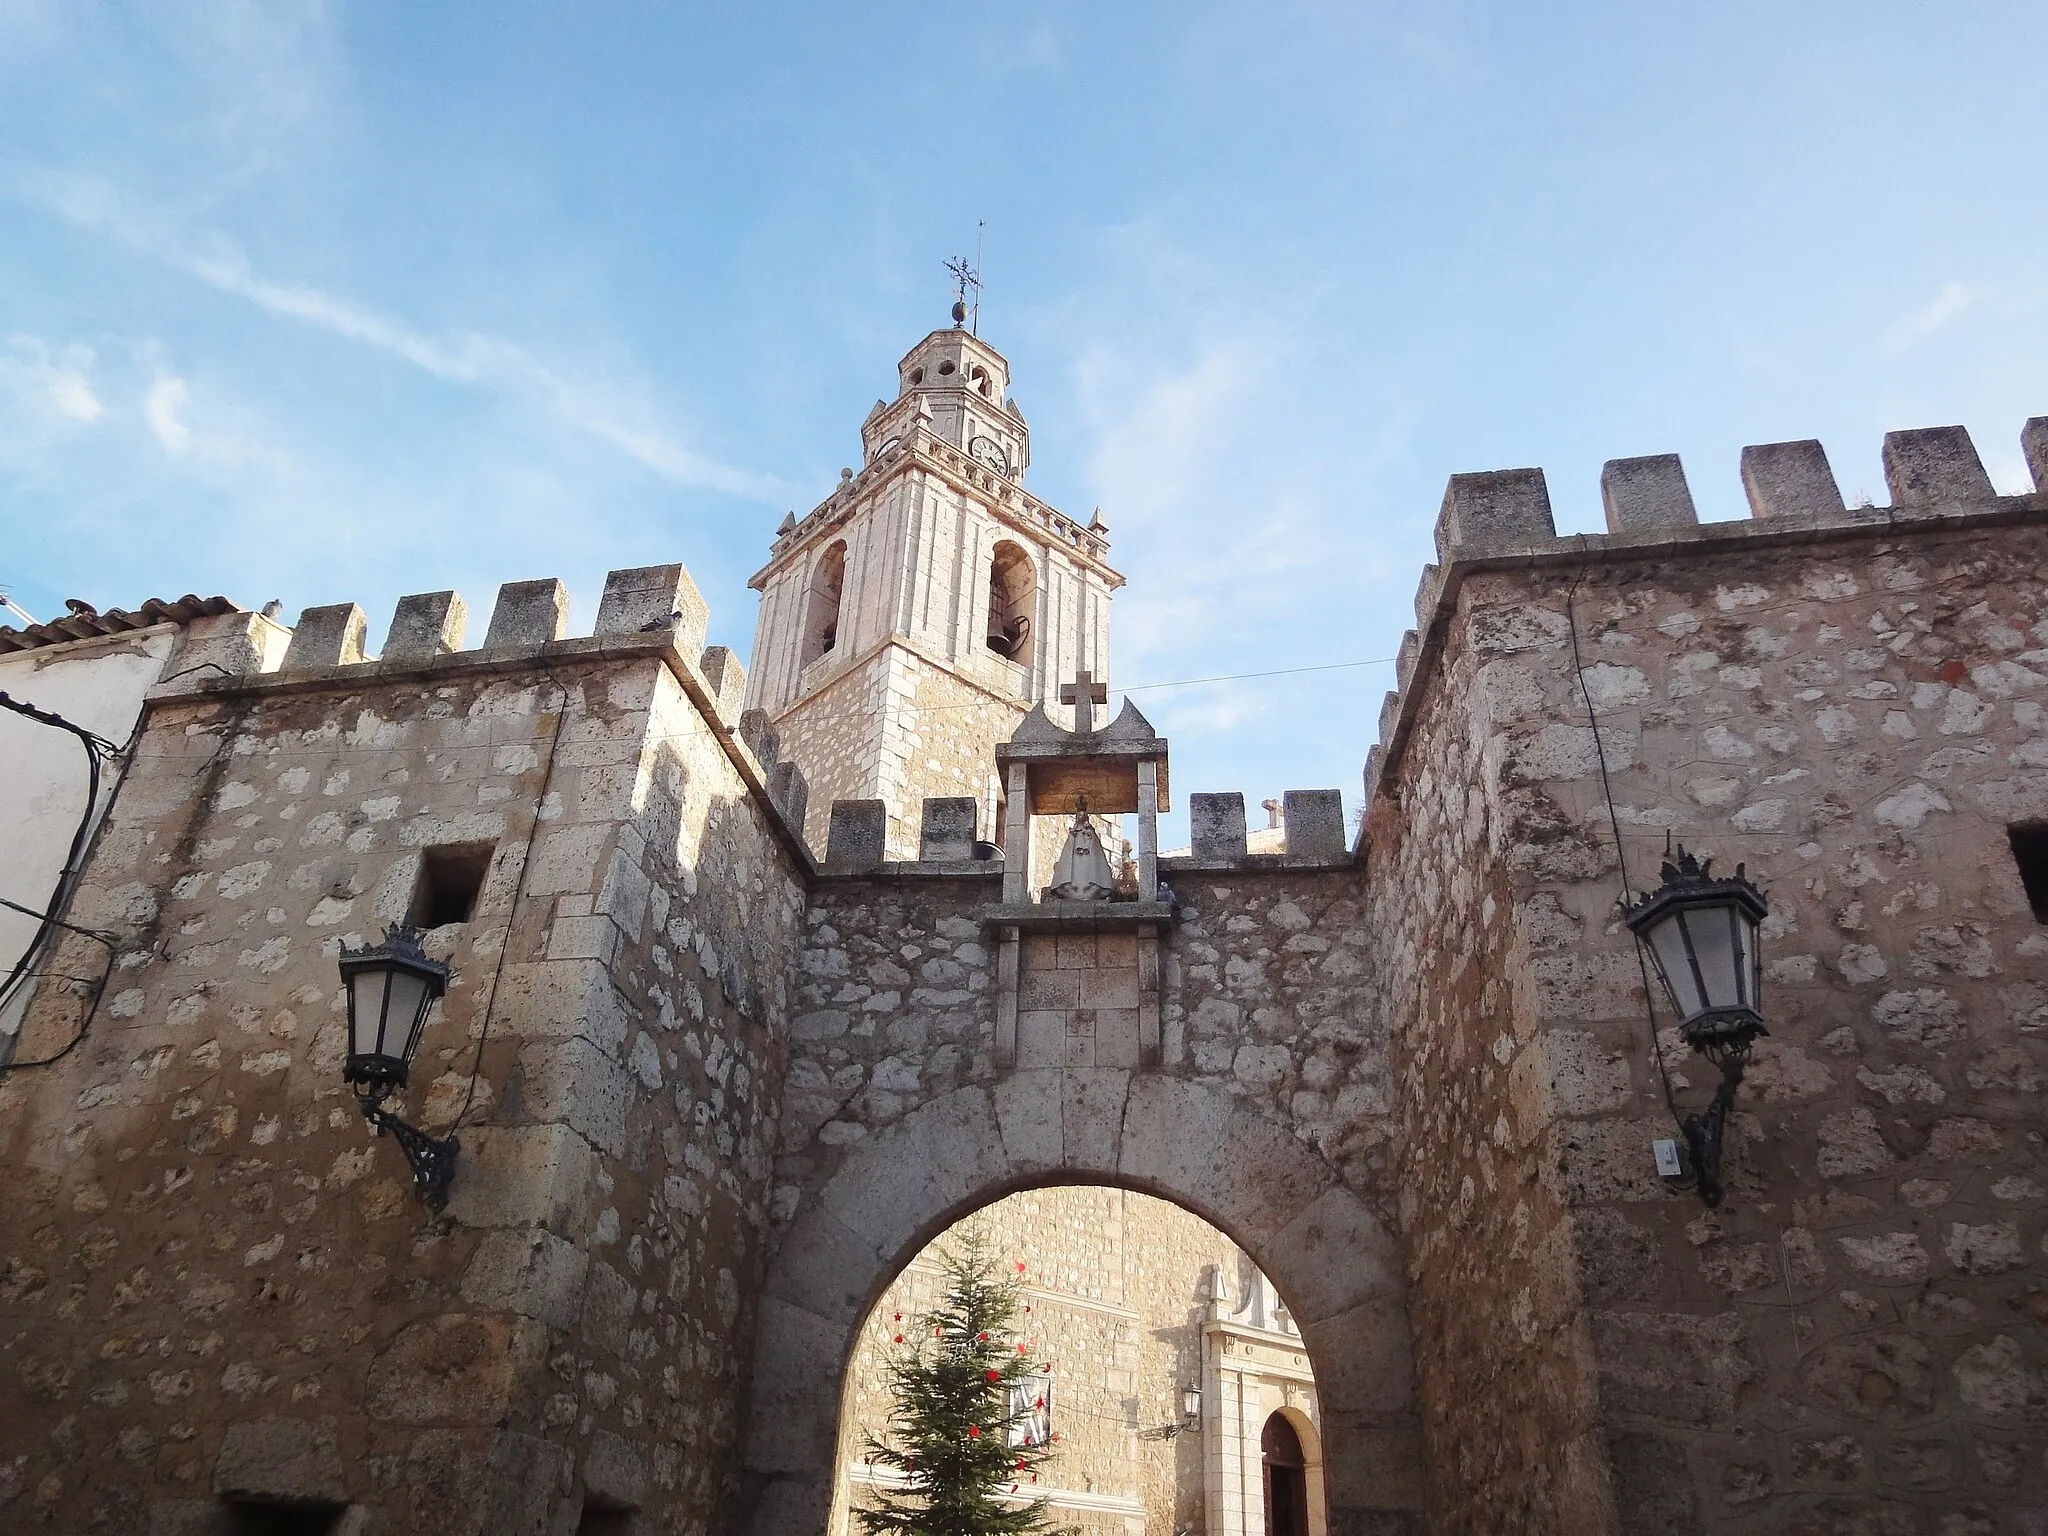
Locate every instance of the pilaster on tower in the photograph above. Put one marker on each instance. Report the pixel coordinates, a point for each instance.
(914, 616)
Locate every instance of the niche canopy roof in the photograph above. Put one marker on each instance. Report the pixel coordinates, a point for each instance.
(1048, 771)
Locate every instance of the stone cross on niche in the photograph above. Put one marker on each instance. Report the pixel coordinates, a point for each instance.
(1084, 693)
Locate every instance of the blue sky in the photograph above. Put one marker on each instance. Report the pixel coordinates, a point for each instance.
(332, 302)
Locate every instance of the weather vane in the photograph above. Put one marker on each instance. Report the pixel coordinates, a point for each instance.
(966, 280)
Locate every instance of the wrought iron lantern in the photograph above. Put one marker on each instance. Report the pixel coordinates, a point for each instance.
(391, 987)
(1702, 934)
(1190, 1417)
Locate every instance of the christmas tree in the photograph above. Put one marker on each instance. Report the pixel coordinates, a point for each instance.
(967, 1400)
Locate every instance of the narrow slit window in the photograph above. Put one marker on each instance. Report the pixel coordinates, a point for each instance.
(451, 879)
(267, 1519)
(2030, 850)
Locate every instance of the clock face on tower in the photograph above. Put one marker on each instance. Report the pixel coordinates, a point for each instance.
(986, 450)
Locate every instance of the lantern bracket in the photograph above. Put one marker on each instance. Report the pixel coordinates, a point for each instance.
(432, 1159)
(1703, 1132)
(1720, 1028)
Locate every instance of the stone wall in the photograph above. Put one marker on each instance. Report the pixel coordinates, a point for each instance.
(1268, 1114)
(1116, 1283)
(1851, 704)
(218, 1283)
(1508, 1410)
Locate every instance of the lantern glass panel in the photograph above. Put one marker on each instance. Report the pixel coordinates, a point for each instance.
(367, 991)
(1715, 945)
(1667, 943)
(408, 1005)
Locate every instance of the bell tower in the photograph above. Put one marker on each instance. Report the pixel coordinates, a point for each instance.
(913, 617)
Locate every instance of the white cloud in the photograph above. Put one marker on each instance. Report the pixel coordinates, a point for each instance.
(51, 386)
(1953, 299)
(162, 407)
(613, 412)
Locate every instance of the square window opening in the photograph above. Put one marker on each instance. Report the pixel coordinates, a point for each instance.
(280, 1519)
(601, 1519)
(451, 878)
(2030, 851)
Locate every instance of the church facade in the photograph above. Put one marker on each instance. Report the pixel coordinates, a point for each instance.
(743, 1014)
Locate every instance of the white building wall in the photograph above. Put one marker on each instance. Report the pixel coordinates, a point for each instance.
(99, 684)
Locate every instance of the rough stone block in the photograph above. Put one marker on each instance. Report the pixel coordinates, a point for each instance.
(1028, 1114)
(859, 834)
(1646, 495)
(575, 1082)
(761, 737)
(1405, 657)
(234, 643)
(615, 1471)
(326, 637)
(528, 614)
(786, 784)
(948, 829)
(823, 1266)
(728, 680)
(1216, 826)
(1497, 507)
(530, 1272)
(1315, 822)
(286, 1460)
(521, 1176)
(651, 597)
(2034, 444)
(1790, 479)
(1390, 716)
(425, 625)
(452, 1368)
(1934, 466)
(1427, 591)
(1041, 1038)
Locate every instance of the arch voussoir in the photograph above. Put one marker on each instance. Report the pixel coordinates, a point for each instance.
(1337, 1253)
(1206, 1150)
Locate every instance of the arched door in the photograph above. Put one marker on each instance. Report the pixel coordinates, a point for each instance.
(1286, 1478)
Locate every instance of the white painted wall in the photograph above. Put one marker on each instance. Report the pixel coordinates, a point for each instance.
(99, 684)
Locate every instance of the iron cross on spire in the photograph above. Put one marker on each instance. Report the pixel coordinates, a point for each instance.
(1084, 693)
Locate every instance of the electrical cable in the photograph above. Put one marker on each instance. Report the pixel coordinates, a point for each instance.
(68, 871)
(1614, 822)
(540, 802)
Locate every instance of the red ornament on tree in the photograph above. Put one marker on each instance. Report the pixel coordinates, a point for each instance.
(974, 1431)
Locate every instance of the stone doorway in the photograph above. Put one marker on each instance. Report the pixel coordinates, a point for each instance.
(1285, 1472)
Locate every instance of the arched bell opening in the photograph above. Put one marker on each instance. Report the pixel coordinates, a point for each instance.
(1012, 600)
(822, 603)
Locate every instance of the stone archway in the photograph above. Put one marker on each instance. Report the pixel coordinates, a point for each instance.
(1333, 1260)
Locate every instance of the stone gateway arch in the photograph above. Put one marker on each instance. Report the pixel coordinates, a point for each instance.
(1335, 1261)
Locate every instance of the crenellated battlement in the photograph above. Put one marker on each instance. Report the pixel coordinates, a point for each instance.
(1499, 518)
(653, 610)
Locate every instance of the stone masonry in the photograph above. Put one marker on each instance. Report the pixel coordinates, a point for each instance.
(715, 1094)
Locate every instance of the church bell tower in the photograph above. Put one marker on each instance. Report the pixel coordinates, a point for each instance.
(913, 617)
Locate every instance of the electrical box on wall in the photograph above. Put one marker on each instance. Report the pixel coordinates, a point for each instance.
(1668, 1165)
